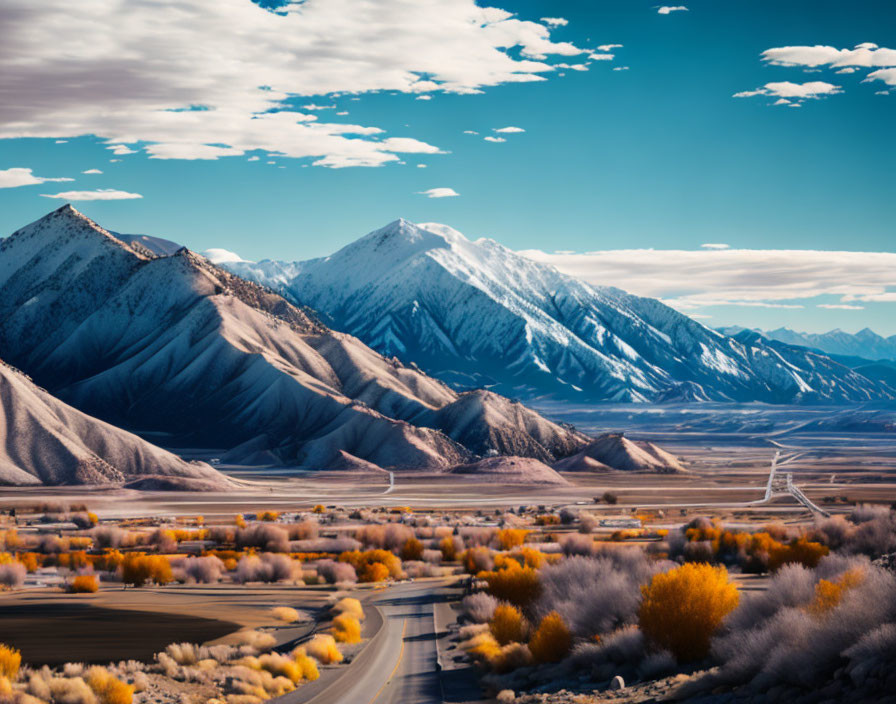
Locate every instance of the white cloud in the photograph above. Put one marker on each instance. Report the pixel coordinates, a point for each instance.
(691, 279)
(470, 132)
(200, 80)
(224, 256)
(92, 171)
(840, 306)
(509, 130)
(15, 177)
(845, 61)
(421, 166)
(555, 21)
(61, 141)
(439, 193)
(121, 149)
(494, 139)
(620, 68)
(342, 112)
(101, 194)
(715, 245)
(423, 97)
(312, 106)
(609, 47)
(601, 57)
(792, 91)
(668, 9)
(254, 158)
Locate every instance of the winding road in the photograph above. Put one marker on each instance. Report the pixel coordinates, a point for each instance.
(399, 664)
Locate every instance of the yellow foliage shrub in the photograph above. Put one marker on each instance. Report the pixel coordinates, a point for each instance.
(83, 584)
(349, 605)
(140, 568)
(10, 662)
(829, 593)
(509, 538)
(319, 508)
(373, 565)
(800, 551)
(31, 560)
(507, 624)
(322, 647)
(108, 688)
(517, 585)
(268, 516)
(683, 608)
(346, 629)
(448, 548)
(239, 521)
(306, 663)
(412, 549)
(552, 640)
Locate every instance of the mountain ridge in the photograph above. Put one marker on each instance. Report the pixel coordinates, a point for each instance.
(476, 314)
(177, 345)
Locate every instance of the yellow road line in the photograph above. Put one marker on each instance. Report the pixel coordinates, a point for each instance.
(404, 628)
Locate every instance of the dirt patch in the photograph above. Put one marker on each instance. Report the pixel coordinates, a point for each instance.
(52, 634)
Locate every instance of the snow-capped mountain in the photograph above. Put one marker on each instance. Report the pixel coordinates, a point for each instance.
(48, 442)
(865, 343)
(175, 345)
(475, 313)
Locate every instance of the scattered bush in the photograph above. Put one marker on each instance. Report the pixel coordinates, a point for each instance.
(323, 648)
(12, 575)
(577, 544)
(477, 559)
(552, 640)
(510, 538)
(349, 605)
(373, 565)
(10, 662)
(517, 585)
(139, 568)
(285, 613)
(479, 607)
(683, 608)
(336, 572)
(83, 584)
(201, 570)
(269, 538)
(108, 688)
(266, 567)
(508, 625)
(411, 550)
(347, 628)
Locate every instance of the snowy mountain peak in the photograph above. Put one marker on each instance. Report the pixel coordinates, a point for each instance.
(475, 313)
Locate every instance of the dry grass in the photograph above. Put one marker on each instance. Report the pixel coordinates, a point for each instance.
(285, 613)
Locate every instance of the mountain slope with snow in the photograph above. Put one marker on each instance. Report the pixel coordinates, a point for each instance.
(476, 314)
(177, 345)
(48, 442)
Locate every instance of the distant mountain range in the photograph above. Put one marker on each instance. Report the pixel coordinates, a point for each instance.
(192, 355)
(865, 343)
(476, 314)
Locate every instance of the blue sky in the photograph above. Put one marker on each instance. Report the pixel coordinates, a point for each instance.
(657, 156)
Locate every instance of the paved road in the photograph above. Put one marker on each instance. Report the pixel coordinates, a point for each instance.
(398, 666)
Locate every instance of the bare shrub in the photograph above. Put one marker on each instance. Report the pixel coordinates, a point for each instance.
(390, 536)
(433, 557)
(588, 523)
(199, 570)
(287, 614)
(336, 572)
(331, 545)
(595, 595)
(267, 567)
(108, 536)
(263, 536)
(475, 536)
(12, 575)
(304, 530)
(577, 544)
(801, 646)
(479, 607)
(164, 540)
(568, 516)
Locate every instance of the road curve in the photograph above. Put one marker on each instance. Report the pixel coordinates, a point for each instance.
(398, 666)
